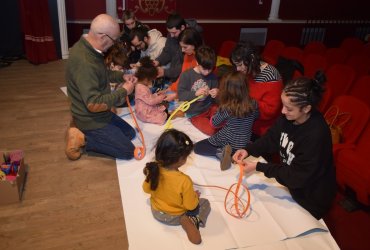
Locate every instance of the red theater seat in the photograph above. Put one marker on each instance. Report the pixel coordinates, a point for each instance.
(325, 100)
(360, 114)
(312, 63)
(272, 51)
(335, 55)
(340, 78)
(353, 169)
(314, 47)
(293, 53)
(360, 63)
(352, 45)
(366, 50)
(361, 89)
(226, 48)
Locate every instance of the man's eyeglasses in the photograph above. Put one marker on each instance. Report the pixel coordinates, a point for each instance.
(114, 41)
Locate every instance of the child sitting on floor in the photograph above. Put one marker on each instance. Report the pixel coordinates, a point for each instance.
(172, 196)
(236, 114)
(200, 81)
(148, 106)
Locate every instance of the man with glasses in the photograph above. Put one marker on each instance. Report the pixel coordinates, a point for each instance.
(149, 42)
(95, 129)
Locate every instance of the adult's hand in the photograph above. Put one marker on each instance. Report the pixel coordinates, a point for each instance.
(249, 166)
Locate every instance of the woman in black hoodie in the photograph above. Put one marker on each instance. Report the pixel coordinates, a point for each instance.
(303, 140)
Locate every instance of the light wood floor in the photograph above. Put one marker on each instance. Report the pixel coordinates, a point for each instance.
(66, 205)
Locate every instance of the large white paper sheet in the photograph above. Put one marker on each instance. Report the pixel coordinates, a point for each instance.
(273, 219)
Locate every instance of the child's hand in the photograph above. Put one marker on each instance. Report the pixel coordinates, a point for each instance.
(130, 78)
(170, 97)
(161, 92)
(240, 155)
(160, 95)
(134, 65)
(155, 63)
(160, 72)
(116, 68)
(202, 91)
(213, 92)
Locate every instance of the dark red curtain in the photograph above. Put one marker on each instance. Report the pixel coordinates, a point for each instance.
(39, 43)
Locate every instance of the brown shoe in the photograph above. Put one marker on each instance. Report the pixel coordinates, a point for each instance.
(191, 229)
(225, 160)
(75, 140)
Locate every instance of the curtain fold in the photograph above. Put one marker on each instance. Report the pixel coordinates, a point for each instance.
(39, 43)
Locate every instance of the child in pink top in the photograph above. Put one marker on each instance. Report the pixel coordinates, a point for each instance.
(148, 106)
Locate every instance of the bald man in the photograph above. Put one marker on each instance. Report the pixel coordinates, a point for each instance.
(95, 128)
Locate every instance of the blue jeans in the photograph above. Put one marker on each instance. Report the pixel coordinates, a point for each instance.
(114, 139)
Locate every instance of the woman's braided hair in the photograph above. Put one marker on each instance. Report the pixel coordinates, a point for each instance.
(304, 91)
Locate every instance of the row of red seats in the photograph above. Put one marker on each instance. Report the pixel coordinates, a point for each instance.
(349, 47)
(316, 55)
(343, 77)
(342, 80)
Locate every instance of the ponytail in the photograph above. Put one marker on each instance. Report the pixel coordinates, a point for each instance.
(151, 172)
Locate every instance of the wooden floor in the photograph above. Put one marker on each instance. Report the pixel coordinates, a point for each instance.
(66, 205)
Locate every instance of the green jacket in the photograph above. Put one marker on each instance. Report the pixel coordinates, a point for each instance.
(88, 86)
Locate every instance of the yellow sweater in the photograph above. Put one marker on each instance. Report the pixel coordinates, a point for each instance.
(174, 195)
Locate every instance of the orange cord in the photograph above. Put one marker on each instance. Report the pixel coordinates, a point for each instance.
(239, 213)
(139, 152)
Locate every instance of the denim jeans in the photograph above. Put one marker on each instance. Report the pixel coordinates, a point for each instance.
(204, 147)
(193, 212)
(114, 139)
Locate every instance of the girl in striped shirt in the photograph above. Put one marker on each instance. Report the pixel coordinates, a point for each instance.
(235, 116)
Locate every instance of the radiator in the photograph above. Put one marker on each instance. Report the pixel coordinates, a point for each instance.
(363, 32)
(313, 33)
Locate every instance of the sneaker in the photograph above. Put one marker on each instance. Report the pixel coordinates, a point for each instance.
(190, 224)
(225, 159)
(75, 140)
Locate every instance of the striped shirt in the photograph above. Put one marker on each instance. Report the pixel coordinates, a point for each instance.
(268, 74)
(236, 131)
